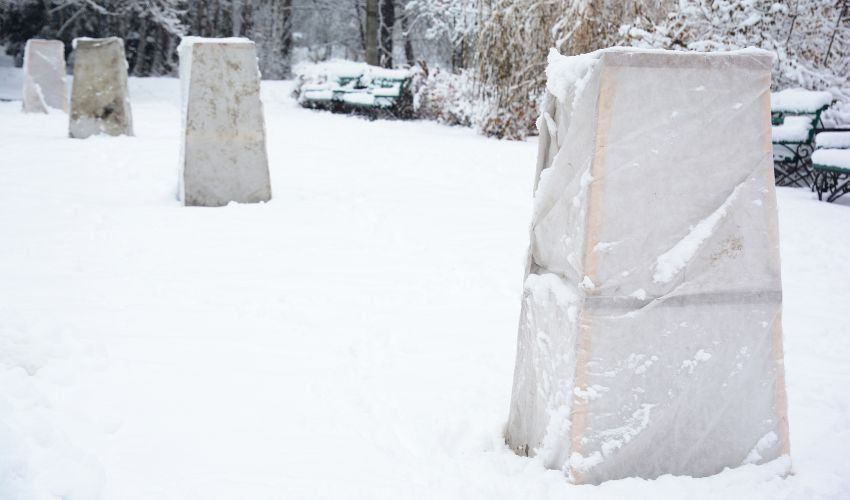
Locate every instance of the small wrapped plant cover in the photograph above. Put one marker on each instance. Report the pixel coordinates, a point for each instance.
(223, 154)
(100, 102)
(44, 76)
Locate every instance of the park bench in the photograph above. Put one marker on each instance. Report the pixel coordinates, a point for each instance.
(357, 88)
(796, 116)
(831, 164)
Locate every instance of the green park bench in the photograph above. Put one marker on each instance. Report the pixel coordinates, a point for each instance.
(831, 164)
(375, 92)
(796, 115)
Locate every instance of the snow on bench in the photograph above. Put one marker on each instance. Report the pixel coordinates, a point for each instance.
(832, 159)
(348, 86)
(795, 115)
(794, 129)
(831, 163)
(828, 140)
(799, 101)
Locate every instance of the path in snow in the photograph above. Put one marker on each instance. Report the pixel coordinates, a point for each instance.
(353, 338)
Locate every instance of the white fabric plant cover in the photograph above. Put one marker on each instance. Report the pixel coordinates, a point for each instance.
(650, 340)
(223, 148)
(44, 76)
(100, 101)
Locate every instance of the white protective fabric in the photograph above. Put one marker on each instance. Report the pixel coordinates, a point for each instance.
(100, 102)
(223, 150)
(650, 338)
(44, 76)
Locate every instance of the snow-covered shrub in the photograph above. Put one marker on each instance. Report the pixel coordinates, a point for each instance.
(445, 97)
(811, 39)
(513, 39)
(436, 94)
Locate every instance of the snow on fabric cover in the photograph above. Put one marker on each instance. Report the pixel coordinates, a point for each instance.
(650, 339)
(799, 100)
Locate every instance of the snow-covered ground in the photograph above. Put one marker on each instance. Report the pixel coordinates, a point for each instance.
(11, 79)
(353, 338)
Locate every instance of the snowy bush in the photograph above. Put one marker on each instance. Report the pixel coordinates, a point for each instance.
(811, 39)
(445, 97)
(513, 40)
(437, 94)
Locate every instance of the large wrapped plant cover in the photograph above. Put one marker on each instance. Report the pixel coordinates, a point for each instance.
(223, 143)
(650, 338)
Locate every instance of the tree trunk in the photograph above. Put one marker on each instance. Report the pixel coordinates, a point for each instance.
(236, 17)
(217, 24)
(212, 16)
(286, 37)
(247, 17)
(360, 29)
(170, 53)
(372, 32)
(842, 11)
(459, 55)
(408, 46)
(47, 6)
(204, 21)
(197, 13)
(139, 60)
(157, 65)
(387, 24)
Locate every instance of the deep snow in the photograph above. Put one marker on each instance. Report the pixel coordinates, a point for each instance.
(352, 338)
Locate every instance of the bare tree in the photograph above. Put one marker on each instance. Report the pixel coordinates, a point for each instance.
(408, 43)
(371, 32)
(386, 39)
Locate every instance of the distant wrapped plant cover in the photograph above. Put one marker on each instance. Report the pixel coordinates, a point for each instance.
(352, 87)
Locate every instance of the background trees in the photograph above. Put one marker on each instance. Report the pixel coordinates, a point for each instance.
(497, 46)
(810, 37)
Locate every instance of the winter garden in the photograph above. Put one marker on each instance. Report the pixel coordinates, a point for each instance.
(424, 249)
